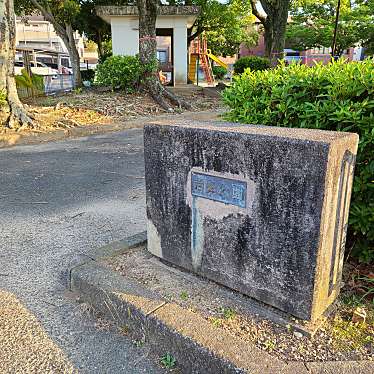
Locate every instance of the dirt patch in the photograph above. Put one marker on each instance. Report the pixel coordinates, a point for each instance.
(338, 339)
(91, 111)
(94, 107)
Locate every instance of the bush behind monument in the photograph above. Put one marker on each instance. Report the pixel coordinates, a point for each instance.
(338, 96)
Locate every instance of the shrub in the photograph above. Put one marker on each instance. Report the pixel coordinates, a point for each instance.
(119, 72)
(27, 84)
(338, 96)
(88, 75)
(254, 63)
(219, 72)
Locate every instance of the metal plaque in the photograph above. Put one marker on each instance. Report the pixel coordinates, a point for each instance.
(224, 190)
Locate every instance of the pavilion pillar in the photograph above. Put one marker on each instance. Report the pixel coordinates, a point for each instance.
(180, 52)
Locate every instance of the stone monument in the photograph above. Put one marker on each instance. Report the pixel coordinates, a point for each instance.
(262, 210)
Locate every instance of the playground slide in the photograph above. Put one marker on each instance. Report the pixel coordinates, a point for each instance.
(217, 60)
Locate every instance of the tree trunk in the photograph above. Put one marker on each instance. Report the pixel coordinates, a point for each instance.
(74, 56)
(12, 112)
(148, 10)
(99, 43)
(66, 34)
(268, 38)
(275, 23)
(279, 27)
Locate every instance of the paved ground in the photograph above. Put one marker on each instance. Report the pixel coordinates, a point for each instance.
(58, 201)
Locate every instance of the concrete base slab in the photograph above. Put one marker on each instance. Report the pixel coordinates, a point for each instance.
(145, 315)
(170, 281)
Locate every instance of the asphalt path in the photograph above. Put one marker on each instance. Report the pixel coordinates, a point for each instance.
(58, 201)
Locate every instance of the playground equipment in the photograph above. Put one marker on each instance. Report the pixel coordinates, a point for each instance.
(201, 56)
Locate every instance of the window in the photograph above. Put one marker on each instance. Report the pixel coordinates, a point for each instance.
(162, 56)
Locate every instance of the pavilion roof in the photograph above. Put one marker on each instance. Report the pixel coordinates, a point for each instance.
(165, 10)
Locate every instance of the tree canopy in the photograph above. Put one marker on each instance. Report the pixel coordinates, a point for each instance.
(312, 25)
(226, 25)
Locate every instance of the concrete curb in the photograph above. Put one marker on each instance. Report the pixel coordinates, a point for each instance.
(197, 346)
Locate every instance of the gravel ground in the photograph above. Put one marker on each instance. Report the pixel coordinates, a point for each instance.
(58, 201)
(24, 345)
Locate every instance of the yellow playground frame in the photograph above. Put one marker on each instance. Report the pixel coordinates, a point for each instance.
(200, 54)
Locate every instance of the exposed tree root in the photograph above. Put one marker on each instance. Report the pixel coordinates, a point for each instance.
(13, 113)
(177, 100)
(18, 117)
(148, 10)
(162, 96)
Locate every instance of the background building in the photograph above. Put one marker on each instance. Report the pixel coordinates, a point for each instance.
(35, 34)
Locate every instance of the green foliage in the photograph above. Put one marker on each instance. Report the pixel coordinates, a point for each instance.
(364, 14)
(106, 50)
(338, 96)
(119, 72)
(225, 24)
(313, 22)
(219, 72)
(35, 82)
(228, 313)
(183, 295)
(88, 75)
(254, 63)
(3, 97)
(63, 11)
(168, 361)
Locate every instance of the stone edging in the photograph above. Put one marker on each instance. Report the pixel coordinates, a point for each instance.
(167, 327)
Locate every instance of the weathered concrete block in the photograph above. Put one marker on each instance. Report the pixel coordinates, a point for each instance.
(262, 210)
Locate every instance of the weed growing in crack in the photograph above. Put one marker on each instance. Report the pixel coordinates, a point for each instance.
(168, 361)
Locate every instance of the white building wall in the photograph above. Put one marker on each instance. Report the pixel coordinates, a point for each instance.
(125, 35)
(125, 40)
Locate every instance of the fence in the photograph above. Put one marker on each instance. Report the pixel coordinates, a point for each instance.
(51, 84)
(57, 83)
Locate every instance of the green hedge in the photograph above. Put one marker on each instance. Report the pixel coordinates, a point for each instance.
(219, 72)
(255, 63)
(119, 72)
(338, 96)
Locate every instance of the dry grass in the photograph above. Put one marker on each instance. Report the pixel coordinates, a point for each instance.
(91, 107)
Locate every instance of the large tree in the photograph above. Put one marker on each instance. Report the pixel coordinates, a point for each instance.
(313, 24)
(61, 14)
(366, 13)
(274, 20)
(12, 112)
(148, 10)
